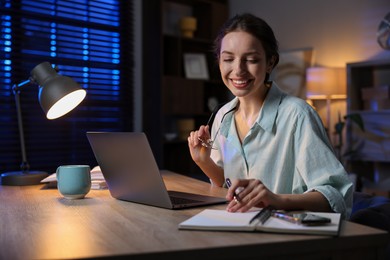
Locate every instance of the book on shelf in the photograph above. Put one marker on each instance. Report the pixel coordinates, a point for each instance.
(222, 220)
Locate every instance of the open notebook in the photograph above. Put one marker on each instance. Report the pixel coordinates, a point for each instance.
(222, 220)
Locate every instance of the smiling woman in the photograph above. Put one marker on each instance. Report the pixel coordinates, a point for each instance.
(271, 144)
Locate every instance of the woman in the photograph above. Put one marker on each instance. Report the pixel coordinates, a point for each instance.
(271, 145)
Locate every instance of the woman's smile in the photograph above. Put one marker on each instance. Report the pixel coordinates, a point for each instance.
(240, 83)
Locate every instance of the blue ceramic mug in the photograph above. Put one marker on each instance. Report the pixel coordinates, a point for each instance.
(74, 181)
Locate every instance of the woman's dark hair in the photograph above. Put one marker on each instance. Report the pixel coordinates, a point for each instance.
(255, 26)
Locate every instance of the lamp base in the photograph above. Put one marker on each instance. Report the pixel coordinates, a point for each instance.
(20, 178)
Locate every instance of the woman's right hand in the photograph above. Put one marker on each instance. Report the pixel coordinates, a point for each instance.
(199, 152)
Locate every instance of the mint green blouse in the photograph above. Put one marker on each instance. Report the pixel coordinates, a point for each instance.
(287, 148)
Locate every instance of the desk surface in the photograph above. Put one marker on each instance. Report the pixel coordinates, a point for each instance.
(36, 222)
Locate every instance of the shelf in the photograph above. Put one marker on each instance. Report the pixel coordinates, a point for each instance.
(364, 75)
(372, 144)
(369, 150)
(182, 96)
(169, 98)
(210, 15)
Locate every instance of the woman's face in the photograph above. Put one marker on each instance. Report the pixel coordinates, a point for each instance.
(243, 63)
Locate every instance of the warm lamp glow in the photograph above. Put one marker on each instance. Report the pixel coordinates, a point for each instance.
(58, 94)
(329, 82)
(66, 104)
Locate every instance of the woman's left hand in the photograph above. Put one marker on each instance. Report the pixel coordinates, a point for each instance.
(251, 193)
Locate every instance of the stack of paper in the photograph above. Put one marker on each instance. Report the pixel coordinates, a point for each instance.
(97, 179)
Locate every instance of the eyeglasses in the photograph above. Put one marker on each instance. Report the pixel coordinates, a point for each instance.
(209, 142)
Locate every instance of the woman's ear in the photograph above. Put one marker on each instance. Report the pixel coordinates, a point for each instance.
(271, 63)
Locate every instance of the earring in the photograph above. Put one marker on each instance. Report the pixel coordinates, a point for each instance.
(267, 82)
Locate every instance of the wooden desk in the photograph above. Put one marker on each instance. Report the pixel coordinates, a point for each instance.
(37, 223)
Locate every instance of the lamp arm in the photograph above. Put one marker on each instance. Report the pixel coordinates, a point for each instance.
(16, 90)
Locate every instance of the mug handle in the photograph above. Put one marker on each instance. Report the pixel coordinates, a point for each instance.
(58, 173)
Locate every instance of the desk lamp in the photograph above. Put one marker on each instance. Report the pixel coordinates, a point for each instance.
(57, 96)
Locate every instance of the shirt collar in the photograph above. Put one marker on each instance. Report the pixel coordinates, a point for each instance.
(227, 121)
(268, 115)
(269, 112)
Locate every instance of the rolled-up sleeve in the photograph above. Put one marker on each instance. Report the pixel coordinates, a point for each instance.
(319, 167)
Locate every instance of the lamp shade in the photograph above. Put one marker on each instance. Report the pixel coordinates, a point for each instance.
(325, 81)
(58, 94)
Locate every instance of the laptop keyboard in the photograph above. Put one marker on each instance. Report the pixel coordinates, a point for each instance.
(178, 200)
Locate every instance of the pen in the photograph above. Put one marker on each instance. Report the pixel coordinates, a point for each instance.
(263, 215)
(235, 195)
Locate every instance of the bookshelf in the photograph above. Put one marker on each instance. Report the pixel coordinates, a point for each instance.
(368, 89)
(175, 102)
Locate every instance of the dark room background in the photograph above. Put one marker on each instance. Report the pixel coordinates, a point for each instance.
(90, 41)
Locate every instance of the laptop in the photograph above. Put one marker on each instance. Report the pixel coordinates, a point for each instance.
(132, 174)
